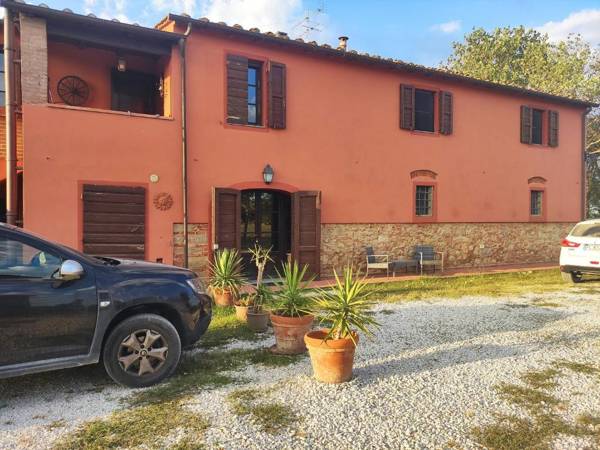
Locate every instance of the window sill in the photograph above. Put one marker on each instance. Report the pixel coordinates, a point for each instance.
(108, 111)
(239, 126)
(424, 219)
(425, 133)
(537, 218)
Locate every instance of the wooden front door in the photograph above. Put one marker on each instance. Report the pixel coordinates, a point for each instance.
(306, 230)
(114, 221)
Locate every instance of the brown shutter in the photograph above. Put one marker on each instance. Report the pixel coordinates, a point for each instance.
(525, 124)
(237, 89)
(277, 95)
(306, 230)
(407, 107)
(553, 128)
(446, 106)
(226, 218)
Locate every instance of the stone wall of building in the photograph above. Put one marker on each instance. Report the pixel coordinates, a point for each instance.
(463, 244)
(198, 247)
(34, 59)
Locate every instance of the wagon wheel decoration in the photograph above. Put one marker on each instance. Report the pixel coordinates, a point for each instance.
(73, 90)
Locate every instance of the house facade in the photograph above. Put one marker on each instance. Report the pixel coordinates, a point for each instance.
(313, 150)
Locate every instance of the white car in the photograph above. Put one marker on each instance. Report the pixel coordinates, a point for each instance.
(580, 252)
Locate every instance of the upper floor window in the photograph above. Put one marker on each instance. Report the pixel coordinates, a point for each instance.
(135, 92)
(254, 93)
(536, 203)
(424, 110)
(418, 110)
(539, 126)
(246, 96)
(424, 201)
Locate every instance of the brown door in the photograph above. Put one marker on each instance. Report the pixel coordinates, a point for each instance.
(114, 219)
(306, 230)
(226, 213)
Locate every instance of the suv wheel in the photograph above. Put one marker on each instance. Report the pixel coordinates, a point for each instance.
(142, 350)
(572, 277)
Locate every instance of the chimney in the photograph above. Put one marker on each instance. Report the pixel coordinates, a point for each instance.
(343, 44)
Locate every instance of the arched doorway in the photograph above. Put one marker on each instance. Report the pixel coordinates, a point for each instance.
(266, 219)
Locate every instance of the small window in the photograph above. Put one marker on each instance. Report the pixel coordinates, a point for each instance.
(424, 201)
(424, 110)
(537, 198)
(254, 93)
(537, 120)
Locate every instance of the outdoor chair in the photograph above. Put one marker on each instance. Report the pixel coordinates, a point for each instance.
(426, 256)
(377, 261)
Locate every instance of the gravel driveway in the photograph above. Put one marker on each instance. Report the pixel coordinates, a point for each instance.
(426, 381)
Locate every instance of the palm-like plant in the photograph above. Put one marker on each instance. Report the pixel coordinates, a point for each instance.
(226, 271)
(260, 256)
(291, 299)
(346, 307)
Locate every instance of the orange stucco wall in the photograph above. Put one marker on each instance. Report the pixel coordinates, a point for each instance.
(343, 138)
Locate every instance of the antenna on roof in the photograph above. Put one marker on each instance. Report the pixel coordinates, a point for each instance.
(310, 25)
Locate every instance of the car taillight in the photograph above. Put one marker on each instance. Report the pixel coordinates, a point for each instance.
(567, 243)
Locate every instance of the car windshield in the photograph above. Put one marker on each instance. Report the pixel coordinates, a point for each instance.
(586, 230)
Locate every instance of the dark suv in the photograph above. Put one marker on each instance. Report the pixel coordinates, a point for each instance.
(61, 308)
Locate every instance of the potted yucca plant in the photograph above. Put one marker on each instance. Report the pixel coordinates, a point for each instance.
(290, 315)
(345, 308)
(257, 317)
(226, 276)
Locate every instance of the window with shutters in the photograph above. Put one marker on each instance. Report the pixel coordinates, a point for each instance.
(539, 126)
(424, 110)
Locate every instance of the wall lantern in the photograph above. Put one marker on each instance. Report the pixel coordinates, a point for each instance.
(268, 174)
(121, 64)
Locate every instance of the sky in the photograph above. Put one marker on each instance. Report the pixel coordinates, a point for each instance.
(419, 31)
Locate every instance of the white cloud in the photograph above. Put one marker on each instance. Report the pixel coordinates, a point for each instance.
(175, 6)
(447, 27)
(107, 9)
(585, 22)
(268, 15)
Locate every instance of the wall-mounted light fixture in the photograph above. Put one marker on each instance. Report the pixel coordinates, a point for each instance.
(121, 64)
(268, 174)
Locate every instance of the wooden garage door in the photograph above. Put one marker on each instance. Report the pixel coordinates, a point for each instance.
(114, 220)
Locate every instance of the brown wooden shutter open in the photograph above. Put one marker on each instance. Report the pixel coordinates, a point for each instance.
(237, 89)
(407, 107)
(526, 125)
(306, 230)
(114, 221)
(446, 106)
(226, 218)
(553, 128)
(277, 98)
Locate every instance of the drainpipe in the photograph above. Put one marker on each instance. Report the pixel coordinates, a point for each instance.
(11, 144)
(184, 152)
(583, 167)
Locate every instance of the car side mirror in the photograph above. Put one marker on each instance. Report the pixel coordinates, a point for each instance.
(70, 270)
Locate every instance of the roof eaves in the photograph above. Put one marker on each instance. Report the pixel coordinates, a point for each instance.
(353, 55)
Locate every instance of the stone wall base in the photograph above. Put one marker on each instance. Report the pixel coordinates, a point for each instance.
(198, 247)
(463, 244)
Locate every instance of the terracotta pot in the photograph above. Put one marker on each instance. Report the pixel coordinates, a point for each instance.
(257, 321)
(241, 312)
(223, 298)
(331, 360)
(289, 333)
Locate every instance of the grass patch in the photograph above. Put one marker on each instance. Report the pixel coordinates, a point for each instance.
(225, 328)
(545, 424)
(209, 370)
(271, 417)
(56, 424)
(147, 426)
(492, 285)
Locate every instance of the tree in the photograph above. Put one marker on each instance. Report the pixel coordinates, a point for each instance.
(527, 58)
